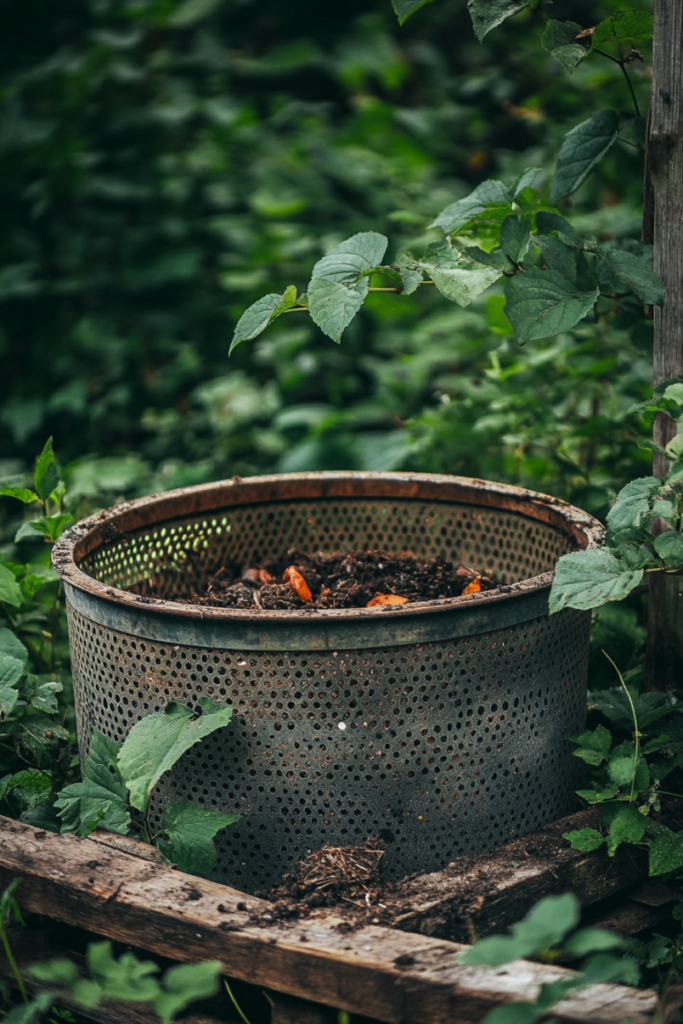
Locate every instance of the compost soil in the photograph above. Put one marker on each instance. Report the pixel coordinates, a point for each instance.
(358, 579)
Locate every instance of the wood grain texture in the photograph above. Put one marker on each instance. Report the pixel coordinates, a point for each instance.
(664, 190)
(375, 971)
(476, 896)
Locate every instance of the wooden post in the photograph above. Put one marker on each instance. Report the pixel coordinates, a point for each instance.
(663, 225)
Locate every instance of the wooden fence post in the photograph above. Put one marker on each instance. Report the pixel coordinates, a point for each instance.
(663, 225)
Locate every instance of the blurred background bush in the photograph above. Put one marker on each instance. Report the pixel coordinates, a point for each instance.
(166, 162)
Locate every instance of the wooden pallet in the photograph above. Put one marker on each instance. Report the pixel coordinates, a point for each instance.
(111, 887)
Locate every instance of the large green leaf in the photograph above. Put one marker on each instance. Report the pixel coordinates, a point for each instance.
(669, 546)
(634, 501)
(351, 258)
(543, 303)
(189, 830)
(515, 237)
(583, 148)
(624, 27)
(184, 983)
(486, 14)
(588, 579)
(333, 306)
(584, 839)
(260, 314)
(20, 493)
(559, 39)
(457, 276)
(156, 742)
(46, 475)
(11, 644)
(404, 8)
(666, 849)
(10, 591)
(635, 270)
(544, 926)
(491, 197)
(101, 799)
(126, 978)
(11, 671)
(627, 825)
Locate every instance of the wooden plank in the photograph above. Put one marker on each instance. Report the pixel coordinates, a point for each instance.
(475, 896)
(371, 970)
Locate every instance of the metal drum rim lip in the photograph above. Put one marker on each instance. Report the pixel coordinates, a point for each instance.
(576, 523)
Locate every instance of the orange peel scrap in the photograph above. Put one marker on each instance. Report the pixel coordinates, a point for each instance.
(386, 599)
(297, 583)
(473, 588)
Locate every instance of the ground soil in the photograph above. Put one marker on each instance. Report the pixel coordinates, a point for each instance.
(335, 580)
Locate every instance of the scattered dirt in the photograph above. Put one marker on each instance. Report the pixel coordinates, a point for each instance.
(359, 579)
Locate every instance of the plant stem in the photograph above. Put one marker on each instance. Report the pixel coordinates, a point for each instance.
(235, 1003)
(12, 962)
(615, 60)
(397, 290)
(636, 733)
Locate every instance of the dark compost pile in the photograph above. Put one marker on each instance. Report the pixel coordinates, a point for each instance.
(358, 579)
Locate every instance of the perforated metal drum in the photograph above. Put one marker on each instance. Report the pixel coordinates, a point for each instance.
(438, 726)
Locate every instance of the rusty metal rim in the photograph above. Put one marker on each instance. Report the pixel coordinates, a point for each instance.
(149, 511)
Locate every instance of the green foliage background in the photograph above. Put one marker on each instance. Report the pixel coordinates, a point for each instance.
(165, 162)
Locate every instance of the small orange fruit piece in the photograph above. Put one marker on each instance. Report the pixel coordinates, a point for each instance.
(474, 587)
(386, 599)
(298, 583)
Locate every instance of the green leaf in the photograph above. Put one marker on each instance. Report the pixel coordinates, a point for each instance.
(665, 510)
(547, 222)
(669, 546)
(525, 180)
(583, 148)
(101, 799)
(260, 314)
(20, 493)
(126, 978)
(634, 502)
(410, 277)
(191, 11)
(666, 849)
(591, 940)
(588, 579)
(11, 644)
(624, 27)
(594, 796)
(45, 697)
(559, 39)
(333, 306)
(33, 783)
(674, 392)
(404, 8)
(61, 972)
(190, 829)
(544, 926)
(51, 527)
(486, 14)
(354, 256)
(594, 745)
(621, 770)
(543, 303)
(626, 824)
(457, 276)
(11, 671)
(155, 744)
(46, 475)
(183, 984)
(584, 839)
(31, 1012)
(9, 588)
(635, 270)
(515, 237)
(491, 197)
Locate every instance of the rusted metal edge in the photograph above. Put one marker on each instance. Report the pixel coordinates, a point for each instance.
(327, 626)
(279, 631)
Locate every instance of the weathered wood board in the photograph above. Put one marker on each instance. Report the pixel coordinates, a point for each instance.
(375, 971)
